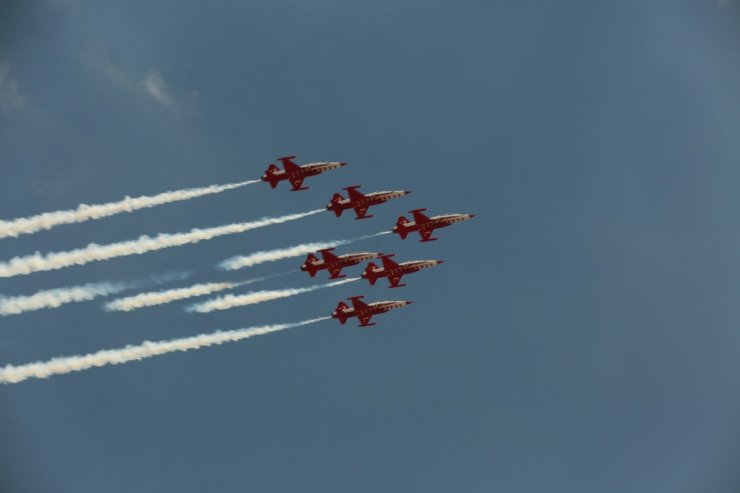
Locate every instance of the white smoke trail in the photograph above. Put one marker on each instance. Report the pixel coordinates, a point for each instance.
(57, 260)
(54, 298)
(254, 297)
(147, 349)
(256, 258)
(85, 212)
(168, 296)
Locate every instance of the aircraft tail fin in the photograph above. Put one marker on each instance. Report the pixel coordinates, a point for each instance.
(341, 316)
(369, 273)
(311, 259)
(334, 205)
(401, 228)
(269, 175)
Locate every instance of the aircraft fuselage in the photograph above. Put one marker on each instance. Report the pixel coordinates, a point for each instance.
(369, 310)
(426, 228)
(305, 170)
(394, 275)
(362, 203)
(294, 173)
(346, 260)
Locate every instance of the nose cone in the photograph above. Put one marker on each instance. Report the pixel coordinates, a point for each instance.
(406, 192)
(471, 216)
(440, 262)
(343, 164)
(409, 302)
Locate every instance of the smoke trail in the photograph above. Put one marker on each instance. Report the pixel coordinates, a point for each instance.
(57, 260)
(168, 296)
(257, 258)
(84, 212)
(254, 297)
(147, 349)
(54, 298)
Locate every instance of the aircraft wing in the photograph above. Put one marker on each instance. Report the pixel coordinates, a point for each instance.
(365, 320)
(289, 164)
(354, 195)
(328, 256)
(358, 305)
(396, 281)
(335, 272)
(388, 264)
(426, 234)
(419, 217)
(360, 210)
(296, 182)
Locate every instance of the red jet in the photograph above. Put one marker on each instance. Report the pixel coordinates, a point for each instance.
(394, 271)
(359, 202)
(363, 311)
(296, 174)
(334, 264)
(426, 225)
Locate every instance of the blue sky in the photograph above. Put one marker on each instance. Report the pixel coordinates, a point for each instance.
(581, 336)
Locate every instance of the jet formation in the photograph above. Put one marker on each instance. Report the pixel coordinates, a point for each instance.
(360, 203)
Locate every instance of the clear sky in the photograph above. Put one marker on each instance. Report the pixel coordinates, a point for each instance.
(582, 335)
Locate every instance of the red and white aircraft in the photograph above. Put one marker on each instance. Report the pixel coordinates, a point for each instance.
(360, 202)
(334, 264)
(296, 174)
(425, 226)
(393, 271)
(364, 311)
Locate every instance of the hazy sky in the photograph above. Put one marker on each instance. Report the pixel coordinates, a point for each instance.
(583, 334)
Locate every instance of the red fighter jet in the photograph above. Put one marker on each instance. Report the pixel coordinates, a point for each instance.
(363, 311)
(359, 202)
(426, 225)
(296, 174)
(394, 271)
(334, 264)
